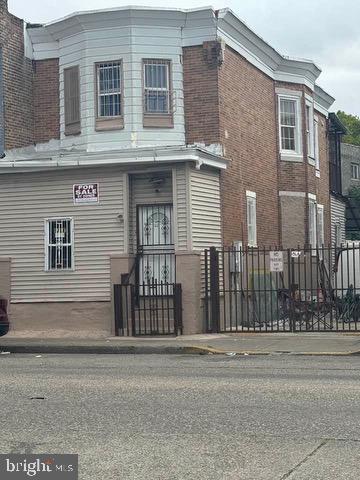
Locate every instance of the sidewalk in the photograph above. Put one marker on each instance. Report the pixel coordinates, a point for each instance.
(338, 344)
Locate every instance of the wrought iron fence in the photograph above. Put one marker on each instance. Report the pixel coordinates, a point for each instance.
(282, 290)
(148, 309)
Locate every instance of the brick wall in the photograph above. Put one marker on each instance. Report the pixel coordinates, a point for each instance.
(234, 104)
(17, 78)
(322, 183)
(249, 135)
(31, 89)
(46, 100)
(201, 99)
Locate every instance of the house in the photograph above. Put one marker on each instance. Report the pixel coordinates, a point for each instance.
(351, 183)
(137, 137)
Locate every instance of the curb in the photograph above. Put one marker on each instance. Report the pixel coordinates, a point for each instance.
(154, 350)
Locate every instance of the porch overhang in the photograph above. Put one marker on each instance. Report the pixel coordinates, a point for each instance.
(27, 161)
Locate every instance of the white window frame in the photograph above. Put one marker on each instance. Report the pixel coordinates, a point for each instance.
(316, 143)
(312, 223)
(47, 244)
(298, 147)
(310, 130)
(320, 225)
(113, 63)
(251, 222)
(356, 166)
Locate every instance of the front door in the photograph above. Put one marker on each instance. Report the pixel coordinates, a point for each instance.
(155, 245)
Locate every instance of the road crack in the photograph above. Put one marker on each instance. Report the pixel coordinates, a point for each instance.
(304, 460)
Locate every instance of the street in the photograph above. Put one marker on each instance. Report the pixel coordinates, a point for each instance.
(186, 417)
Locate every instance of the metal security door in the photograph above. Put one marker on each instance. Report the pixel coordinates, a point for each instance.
(155, 245)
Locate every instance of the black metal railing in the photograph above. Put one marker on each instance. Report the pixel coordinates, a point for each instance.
(282, 290)
(148, 309)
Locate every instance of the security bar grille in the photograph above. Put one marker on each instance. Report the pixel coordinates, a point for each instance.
(109, 89)
(59, 234)
(156, 87)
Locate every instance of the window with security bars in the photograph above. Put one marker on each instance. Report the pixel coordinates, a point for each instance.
(109, 89)
(59, 244)
(288, 125)
(157, 87)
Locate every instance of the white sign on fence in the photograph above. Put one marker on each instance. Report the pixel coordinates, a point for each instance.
(296, 253)
(276, 261)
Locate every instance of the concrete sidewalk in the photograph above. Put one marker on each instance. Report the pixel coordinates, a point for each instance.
(241, 344)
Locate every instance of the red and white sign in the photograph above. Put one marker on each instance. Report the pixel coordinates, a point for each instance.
(86, 193)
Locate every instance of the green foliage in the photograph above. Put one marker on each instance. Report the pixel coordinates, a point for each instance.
(352, 123)
(354, 192)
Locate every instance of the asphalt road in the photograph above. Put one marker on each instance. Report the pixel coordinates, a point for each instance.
(186, 417)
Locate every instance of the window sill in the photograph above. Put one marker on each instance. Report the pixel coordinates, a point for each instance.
(311, 161)
(74, 129)
(158, 121)
(108, 124)
(291, 157)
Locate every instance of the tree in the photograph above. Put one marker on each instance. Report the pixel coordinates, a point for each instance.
(352, 123)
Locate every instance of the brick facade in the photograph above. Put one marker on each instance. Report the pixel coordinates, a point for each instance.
(234, 103)
(31, 89)
(46, 100)
(17, 79)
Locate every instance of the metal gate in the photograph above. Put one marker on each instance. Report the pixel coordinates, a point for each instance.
(155, 245)
(148, 309)
(282, 290)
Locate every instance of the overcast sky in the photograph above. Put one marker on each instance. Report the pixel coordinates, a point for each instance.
(326, 31)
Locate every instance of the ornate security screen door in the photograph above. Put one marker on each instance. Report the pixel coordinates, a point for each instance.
(155, 245)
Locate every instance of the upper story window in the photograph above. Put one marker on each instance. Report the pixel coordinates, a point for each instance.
(310, 130)
(72, 100)
(289, 125)
(251, 218)
(109, 95)
(157, 93)
(355, 171)
(316, 143)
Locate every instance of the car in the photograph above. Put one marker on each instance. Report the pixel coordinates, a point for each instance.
(4, 319)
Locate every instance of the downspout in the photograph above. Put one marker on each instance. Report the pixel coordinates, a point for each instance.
(2, 116)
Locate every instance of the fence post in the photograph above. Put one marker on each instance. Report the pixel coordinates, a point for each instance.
(118, 310)
(291, 280)
(178, 327)
(214, 290)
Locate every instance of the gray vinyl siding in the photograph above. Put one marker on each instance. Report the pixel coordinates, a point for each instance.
(337, 217)
(206, 209)
(27, 200)
(142, 192)
(131, 45)
(182, 210)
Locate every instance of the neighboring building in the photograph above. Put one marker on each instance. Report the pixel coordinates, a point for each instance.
(338, 201)
(350, 166)
(138, 129)
(351, 182)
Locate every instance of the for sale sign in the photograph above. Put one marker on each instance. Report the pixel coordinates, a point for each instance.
(86, 193)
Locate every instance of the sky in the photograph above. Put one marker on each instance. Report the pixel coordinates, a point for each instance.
(326, 31)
